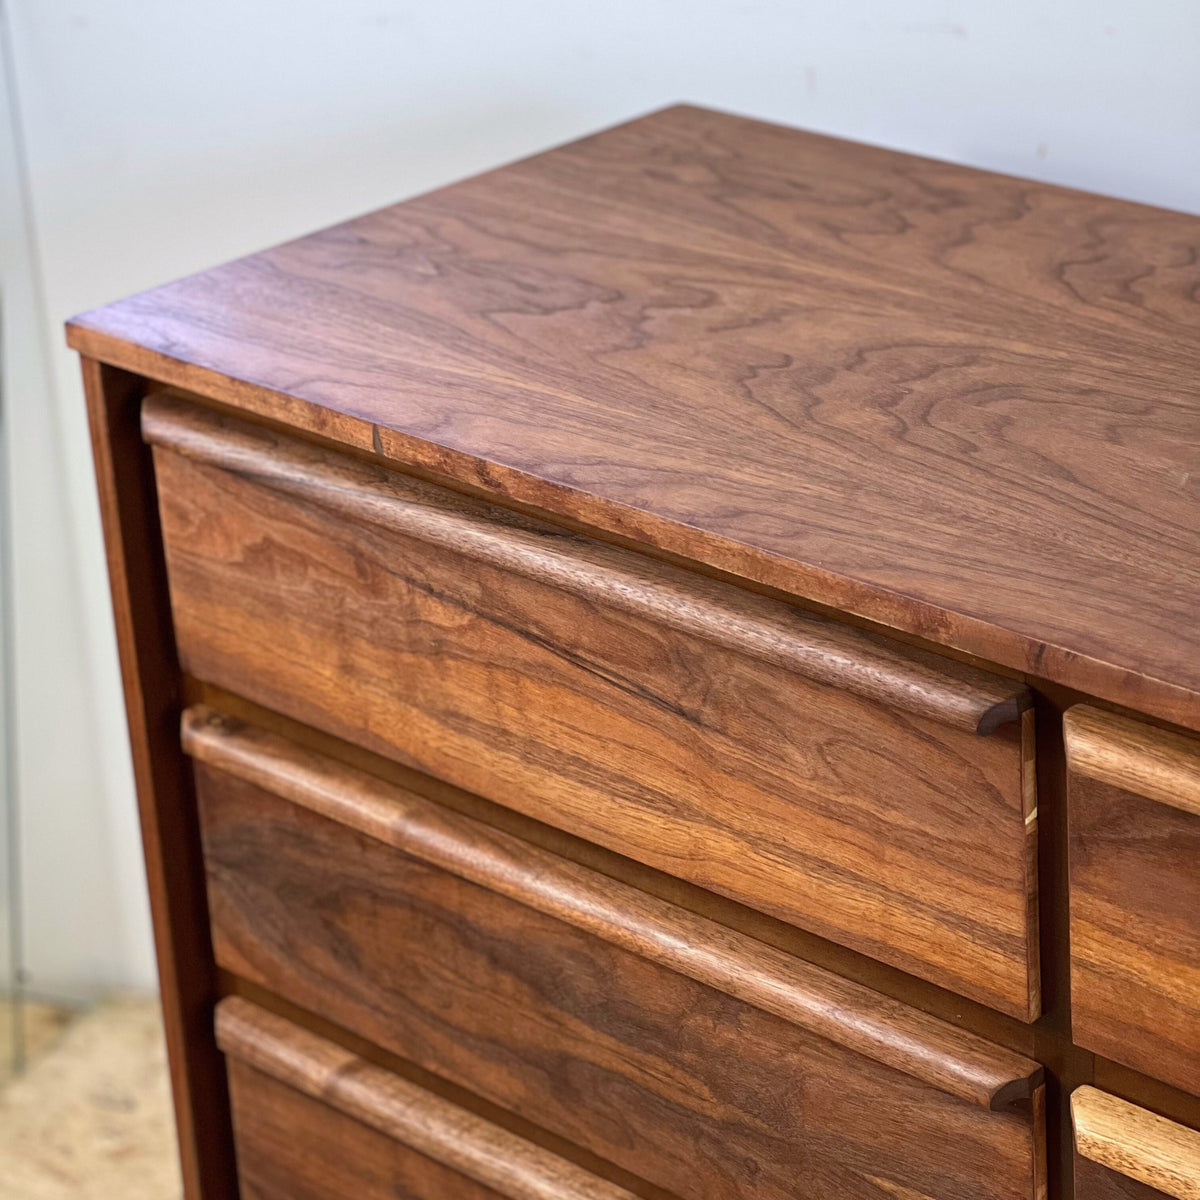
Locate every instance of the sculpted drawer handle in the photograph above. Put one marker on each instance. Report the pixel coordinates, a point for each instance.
(834, 1008)
(401, 1110)
(1138, 1144)
(1134, 757)
(758, 626)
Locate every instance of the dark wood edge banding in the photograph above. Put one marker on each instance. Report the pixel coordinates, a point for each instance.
(852, 659)
(170, 836)
(1126, 754)
(1137, 1144)
(843, 1012)
(401, 1110)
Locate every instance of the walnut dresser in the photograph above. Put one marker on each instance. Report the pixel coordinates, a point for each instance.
(672, 669)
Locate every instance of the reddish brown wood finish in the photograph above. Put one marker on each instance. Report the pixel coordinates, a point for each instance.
(678, 1083)
(293, 1147)
(784, 635)
(1135, 894)
(959, 404)
(290, 1084)
(304, 581)
(851, 1016)
(1123, 1152)
(170, 837)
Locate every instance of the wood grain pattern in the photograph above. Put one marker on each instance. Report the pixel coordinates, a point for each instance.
(170, 837)
(1136, 1144)
(904, 838)
(291, 1147)
(1094, 1182)
(1135, 901)
(996, 1028)
(849, 1015)
(402, 1111)
(1134, 757)
(680, 1084)
(956, 403)
(844, 657)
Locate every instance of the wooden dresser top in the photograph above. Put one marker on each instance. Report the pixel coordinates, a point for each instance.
(956, 403)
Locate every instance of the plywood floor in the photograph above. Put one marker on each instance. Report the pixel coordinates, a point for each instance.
(91, 1118)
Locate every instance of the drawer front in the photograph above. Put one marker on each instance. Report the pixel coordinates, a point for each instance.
(690, 1055)
(874, 795)
(1123, 1152)
(1134, 799)
(314, 1122)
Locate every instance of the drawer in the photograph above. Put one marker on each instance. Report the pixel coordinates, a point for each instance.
(693, 1056)
(1134, 801)
(1123, 1152)
(870, 793)
(314, 1122)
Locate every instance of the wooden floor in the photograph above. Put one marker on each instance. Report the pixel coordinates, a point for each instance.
(91, 1118)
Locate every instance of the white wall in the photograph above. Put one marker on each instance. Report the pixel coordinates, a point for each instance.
(168, 136)
(84, 905)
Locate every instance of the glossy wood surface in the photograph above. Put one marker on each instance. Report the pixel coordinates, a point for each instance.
(852, 1016)
(292, 1147)
(959, 404)
(1134, 757)
(1140, 1154)
(687, 1087)
(325, 1073)
(1135, 895)
(902, 393)
(902, 837)
(784, 635)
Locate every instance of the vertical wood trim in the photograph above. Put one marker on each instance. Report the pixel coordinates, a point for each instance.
(1041, 1164)
(1029, 806)
(166, 808)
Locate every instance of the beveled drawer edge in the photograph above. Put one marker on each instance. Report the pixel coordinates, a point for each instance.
(1136, 1143)
(816, 647)
(401, 1110)
(1127, 754)
(846, 1013)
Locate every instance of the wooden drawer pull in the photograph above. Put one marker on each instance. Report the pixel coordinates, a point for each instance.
(1137, 1143)
(834, 1008)
(1135, 757)
(755, 625)
(401, 1110)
